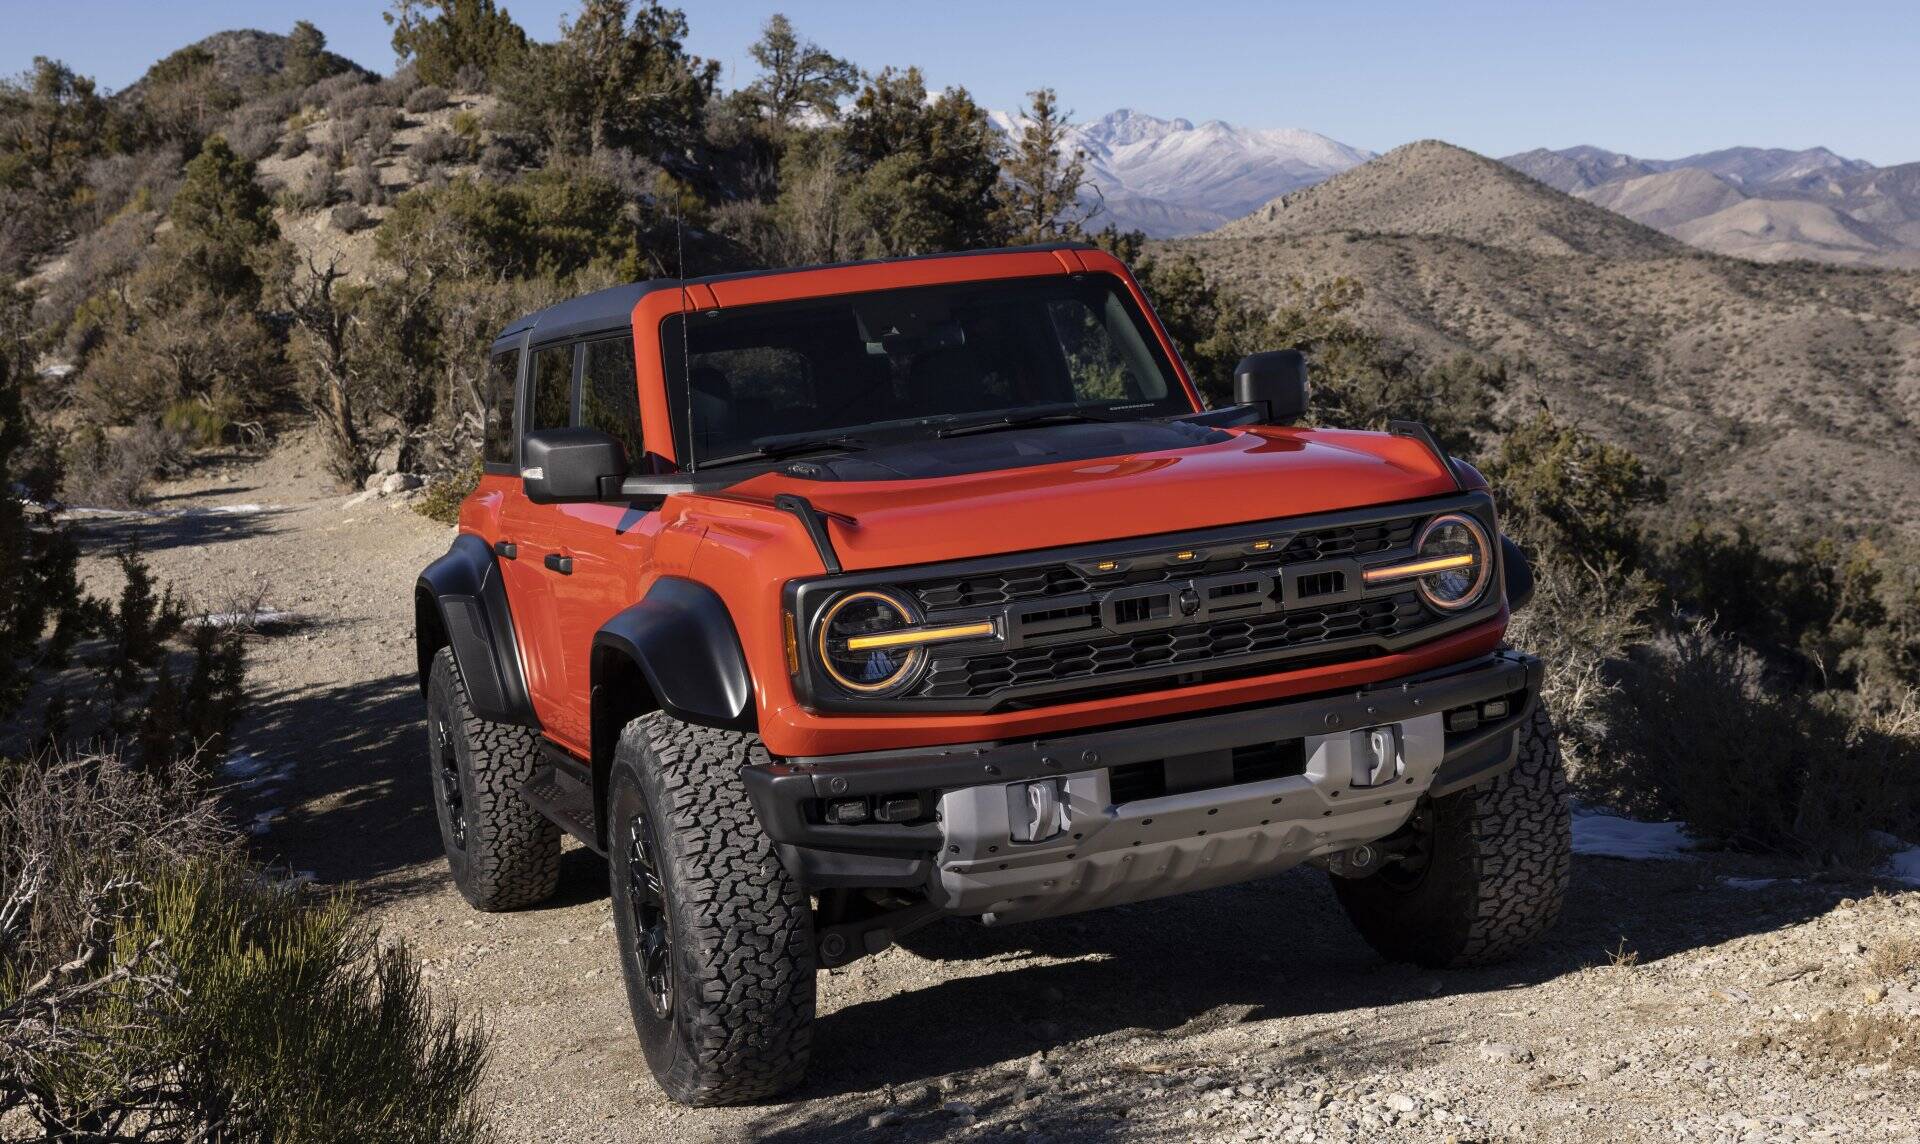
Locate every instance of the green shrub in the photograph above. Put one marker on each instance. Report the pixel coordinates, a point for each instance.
(444, 494)
(206, 1001)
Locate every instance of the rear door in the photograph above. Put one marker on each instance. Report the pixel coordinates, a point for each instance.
(530, 546)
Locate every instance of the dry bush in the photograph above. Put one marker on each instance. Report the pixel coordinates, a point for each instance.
(154, 985)
(1579, 622)
(315, 190)
(294, 144)
(436, 148)
(1892, 959)
(426, 98)
(116, 472)
(348, 217)
(362, 184)
(1698, 733)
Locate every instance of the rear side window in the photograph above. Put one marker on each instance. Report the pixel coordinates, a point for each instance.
(502, 371)
(610, 395)
(552, 404)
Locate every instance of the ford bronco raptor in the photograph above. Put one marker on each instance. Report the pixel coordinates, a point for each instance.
(826, 603)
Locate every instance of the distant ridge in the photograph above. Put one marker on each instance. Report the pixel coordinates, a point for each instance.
(1435, 188)
(1769, 204)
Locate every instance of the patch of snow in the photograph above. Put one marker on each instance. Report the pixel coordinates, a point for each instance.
(165, 513)
(1748, 883)
(264, 618)
(1611, 836)
(253, 772)
(1904, 865)
(263, 822)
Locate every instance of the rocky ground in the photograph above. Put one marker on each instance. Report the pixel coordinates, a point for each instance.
(1711, 998)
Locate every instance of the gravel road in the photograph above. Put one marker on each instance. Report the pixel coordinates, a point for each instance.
(1670, 1004)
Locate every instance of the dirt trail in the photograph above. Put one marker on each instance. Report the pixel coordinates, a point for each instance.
(1785, 1010)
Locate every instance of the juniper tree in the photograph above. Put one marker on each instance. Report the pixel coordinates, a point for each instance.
(798, 74)
(1042, 197)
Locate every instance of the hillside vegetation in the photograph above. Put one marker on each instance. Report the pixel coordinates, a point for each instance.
(1789, 393)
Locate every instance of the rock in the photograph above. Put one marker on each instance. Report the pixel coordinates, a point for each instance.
(358, 499)
(1401, 1102)
(886, 1118)
(375, 480)
(1500, 1052)
(960, 1110)
(1039, 1071)
(400, 483)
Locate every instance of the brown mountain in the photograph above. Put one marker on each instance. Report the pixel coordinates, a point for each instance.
(1666, 199)
(1791, 390)
(1434, 188)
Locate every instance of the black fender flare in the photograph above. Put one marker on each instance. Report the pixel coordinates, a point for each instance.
(460, 601)
(1517, 572)
(682, 638)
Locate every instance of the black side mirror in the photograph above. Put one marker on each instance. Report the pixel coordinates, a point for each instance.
(1274, 382)
(577, 464)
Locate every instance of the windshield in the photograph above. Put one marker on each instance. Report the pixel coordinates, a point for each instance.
(850, 370)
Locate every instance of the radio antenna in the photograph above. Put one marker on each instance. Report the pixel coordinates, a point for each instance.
(686, 319)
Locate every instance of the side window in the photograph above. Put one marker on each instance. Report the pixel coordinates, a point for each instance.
(552, 404)
(502, 371)
(610, 395)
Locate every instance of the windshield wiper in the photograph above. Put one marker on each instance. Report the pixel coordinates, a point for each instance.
(1021, 418)
(787, 445)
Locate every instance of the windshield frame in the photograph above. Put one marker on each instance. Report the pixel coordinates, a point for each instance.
(1179, 399)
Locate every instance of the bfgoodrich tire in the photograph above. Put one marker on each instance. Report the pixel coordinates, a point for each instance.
(503, 853)
(716, 940)
(1491, 871)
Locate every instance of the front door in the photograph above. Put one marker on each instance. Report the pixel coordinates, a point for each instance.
(532, 535)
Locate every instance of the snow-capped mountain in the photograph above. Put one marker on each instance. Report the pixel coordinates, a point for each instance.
(1169, 177)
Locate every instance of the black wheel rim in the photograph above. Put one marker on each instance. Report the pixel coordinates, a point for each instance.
(446, 771)
(1407, 871)
(647, 904)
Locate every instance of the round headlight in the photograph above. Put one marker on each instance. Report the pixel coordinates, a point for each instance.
(869, 669)
(1458, 548)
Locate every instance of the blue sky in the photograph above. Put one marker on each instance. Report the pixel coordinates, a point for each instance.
(1654, 79)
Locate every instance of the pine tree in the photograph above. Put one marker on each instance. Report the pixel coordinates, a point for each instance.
(799, 74)
(443, 37)
(1041, 197)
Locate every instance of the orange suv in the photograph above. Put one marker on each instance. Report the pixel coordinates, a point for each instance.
(826, 603)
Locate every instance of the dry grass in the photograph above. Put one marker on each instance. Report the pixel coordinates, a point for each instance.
(1892, 959)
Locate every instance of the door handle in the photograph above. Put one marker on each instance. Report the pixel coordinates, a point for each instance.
(506, 549)
(558, 563)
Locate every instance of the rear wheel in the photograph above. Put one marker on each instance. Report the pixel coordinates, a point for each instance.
(1488, 870)
(716, 939)
(503, 853)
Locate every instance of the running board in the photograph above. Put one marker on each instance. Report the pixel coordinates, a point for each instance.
(561, 796)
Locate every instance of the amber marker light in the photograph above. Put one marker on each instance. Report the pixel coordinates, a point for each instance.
(915, 636)
(793, 644)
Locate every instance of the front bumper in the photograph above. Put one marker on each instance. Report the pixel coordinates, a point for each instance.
(1122, 842)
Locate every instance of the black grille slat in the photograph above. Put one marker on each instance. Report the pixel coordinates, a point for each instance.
(1199, 644)
(996, 588)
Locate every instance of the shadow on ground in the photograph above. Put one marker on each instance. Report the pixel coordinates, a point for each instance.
(187, 529)
(1244, 955)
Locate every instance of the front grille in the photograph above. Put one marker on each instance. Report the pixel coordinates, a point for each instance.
(995, 588)
(972, 677)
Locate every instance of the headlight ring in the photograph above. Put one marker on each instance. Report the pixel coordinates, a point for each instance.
(869, 670)
(1444, 540)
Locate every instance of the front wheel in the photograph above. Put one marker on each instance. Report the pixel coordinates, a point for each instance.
(716, 939)
(1489, 870)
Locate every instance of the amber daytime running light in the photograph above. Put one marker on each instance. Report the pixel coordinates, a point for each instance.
(871, 641)
(1452, 562)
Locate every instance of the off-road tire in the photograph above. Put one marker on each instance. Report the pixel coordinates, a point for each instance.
(739, 1022)
(1501, 853)
(503, 853)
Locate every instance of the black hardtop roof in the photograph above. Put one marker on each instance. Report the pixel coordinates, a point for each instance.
(612, 308)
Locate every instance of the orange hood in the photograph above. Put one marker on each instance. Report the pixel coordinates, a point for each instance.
(1250, 475)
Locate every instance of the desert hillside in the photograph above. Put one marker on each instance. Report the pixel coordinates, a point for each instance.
(1437, 189)
(1791, 390)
